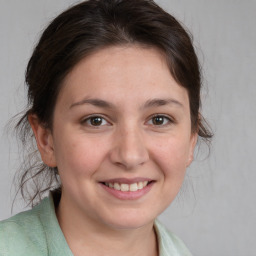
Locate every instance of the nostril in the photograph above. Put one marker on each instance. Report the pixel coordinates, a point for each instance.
(129, 151)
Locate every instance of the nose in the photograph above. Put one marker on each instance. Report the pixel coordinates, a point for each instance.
(129, 149)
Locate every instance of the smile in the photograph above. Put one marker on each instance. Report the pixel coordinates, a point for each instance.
(127, 187)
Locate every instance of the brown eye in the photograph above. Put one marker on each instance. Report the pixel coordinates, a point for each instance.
(95, 121)
(159, 120)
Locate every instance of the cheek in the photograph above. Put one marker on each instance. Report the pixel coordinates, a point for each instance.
(77, 157)
(172, 156)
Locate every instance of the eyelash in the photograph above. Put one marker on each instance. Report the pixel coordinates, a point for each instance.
(166, 120)
(90, 118)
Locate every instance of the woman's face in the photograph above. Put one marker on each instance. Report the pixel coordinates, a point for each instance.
(121, 137)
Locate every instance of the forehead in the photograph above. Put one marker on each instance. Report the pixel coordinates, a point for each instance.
(132, 72)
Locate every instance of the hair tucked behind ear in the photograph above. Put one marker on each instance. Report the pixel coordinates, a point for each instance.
(80, 31)
(34, 177)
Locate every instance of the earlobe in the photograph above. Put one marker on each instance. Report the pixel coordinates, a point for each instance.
(193, 141)
(44, 141)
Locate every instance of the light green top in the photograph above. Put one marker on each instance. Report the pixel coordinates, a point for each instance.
(37, 233)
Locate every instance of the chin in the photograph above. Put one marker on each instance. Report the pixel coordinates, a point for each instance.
(130, 221)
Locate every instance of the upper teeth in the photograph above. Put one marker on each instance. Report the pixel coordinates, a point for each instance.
(127, 187)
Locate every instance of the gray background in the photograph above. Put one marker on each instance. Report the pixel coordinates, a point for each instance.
(215, 213)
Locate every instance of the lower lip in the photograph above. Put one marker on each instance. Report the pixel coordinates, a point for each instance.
(128, 195)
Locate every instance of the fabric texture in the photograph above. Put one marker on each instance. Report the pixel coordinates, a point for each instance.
(37, 233)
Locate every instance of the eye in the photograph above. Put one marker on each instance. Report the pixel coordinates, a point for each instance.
(160, 120)
(95, 121)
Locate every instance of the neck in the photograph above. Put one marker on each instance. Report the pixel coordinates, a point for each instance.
(88, 237)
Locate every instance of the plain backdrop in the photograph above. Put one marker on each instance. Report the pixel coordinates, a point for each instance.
(215, 212)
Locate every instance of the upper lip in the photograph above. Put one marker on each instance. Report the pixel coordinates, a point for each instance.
(126, 180)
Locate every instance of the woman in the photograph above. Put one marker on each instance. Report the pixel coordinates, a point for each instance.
(113, 102)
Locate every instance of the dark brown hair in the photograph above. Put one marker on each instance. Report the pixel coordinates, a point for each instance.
(80, 31)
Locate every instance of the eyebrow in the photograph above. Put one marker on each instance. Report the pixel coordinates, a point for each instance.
(150, 103)
(162, 102)
(94, 102)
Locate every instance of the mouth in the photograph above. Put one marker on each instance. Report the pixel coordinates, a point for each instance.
(125, 187)
(128, 189)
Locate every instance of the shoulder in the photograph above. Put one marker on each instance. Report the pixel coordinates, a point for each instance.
(23, 234)
(34, 232)
(169, 243)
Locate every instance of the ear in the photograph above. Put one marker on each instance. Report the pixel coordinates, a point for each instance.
(44, 141)
(193, 141)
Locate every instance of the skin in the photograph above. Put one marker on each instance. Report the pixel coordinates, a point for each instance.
(130, 142)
